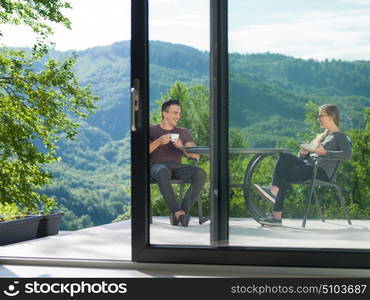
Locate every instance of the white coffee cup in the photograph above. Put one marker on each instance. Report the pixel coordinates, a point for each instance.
(174, 137)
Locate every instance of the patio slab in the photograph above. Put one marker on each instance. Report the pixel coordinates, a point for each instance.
(112, 242)
(247, 232)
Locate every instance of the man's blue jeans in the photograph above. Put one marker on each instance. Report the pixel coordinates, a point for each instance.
(162, 173)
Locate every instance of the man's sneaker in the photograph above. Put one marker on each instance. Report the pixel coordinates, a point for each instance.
(265, 192)
(173, 219)
(270, 221)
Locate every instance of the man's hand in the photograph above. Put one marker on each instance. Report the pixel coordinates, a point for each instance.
(178, 144)
(191, 155)
(165, 139)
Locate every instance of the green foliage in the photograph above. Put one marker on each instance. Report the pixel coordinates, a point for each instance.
(360, 167)
(33, 117)
(312, 126)
(38, 15)
(126, 214)
(194, 106)
(10, 211)
(37, 102)
(34, 13)
(91, 183)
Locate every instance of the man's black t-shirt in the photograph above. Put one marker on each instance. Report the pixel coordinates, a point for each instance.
(168, 152)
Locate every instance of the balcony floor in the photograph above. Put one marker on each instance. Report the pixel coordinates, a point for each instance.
(247, 232)
(113, 242)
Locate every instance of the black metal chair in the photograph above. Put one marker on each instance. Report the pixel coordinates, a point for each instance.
(182, 184)
(313, 183)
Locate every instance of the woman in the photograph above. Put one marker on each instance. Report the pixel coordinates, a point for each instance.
(330, 144)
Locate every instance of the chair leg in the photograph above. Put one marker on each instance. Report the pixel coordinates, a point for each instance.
(150, 212)
(200, 210)
(339, 191)
(318, 205)
(308, 204)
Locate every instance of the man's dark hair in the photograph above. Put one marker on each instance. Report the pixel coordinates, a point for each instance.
(168, 103)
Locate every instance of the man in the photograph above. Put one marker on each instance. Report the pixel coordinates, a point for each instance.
(167, 145)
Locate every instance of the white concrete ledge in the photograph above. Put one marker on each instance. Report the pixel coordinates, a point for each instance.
(105, 251)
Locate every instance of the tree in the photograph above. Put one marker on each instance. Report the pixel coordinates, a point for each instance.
(194, 103)
(39, 97)
(35, 14)
(359, 177)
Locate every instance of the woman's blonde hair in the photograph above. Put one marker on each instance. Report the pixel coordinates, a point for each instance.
(333, 111)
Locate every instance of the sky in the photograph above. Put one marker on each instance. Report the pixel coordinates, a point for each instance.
(318, 29)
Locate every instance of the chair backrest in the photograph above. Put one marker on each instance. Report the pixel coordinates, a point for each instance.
(335, 171)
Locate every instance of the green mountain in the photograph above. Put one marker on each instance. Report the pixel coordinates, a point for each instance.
(267, 97)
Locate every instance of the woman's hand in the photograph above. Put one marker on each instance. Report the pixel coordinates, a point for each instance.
(303, 152)
(320, 150)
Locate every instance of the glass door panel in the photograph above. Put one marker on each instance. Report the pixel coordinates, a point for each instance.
(286, 59)
(178, 70)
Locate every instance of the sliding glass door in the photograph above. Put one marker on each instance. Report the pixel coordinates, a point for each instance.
(259, 100)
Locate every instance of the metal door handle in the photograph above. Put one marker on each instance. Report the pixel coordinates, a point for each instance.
(135, 97)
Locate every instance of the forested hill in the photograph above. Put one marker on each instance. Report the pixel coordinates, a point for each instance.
(262, 84)
(267, 96)
(332, 77)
